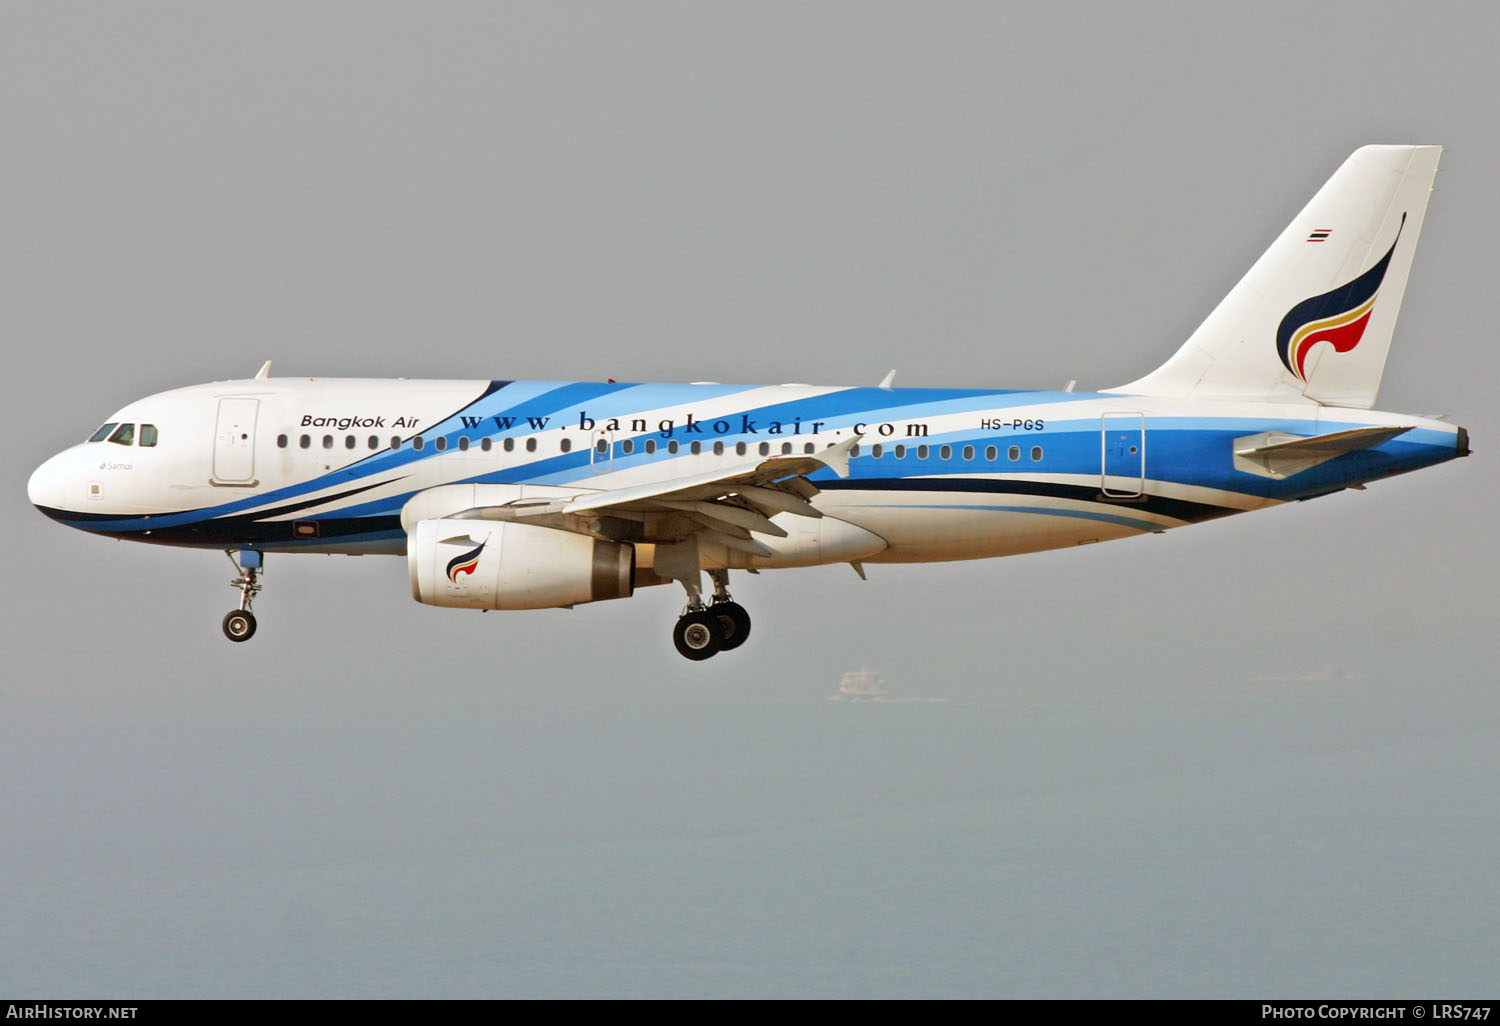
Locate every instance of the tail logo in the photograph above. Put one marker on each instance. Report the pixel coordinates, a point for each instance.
(465, 563)
(1338, 317)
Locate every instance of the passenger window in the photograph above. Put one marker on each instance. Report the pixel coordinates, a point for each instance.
(854, 452)
(945, 453)
(969, 453)
(628, 446)
(650, 446)
(1014, 452)
(786, 448)
(124, 435)
(510, 444)
(531, 445)
(566, 445)
(899, 452)
(718, 448)
(739, 448)
(876, 451)
(922, 452)
(1036, 454)
(395, 441)
(103, 432)
(696, 448)
(672, 447)
(991, 453)
(463, 443)
(305, 441)
(374, 442)
(281, 441)
(808, 448)
(418, 442)
(148, 434)
(349, 442)
(485, 444)
(328, 441)
(440, 442)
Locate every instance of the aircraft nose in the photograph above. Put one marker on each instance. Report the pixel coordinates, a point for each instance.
(47, 488)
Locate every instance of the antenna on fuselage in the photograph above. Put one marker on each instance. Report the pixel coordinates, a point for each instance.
(264, 372)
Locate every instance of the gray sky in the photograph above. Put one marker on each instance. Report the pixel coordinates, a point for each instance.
(1132, 788)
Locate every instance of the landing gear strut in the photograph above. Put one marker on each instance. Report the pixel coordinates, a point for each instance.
(239, 624)
(703, 631)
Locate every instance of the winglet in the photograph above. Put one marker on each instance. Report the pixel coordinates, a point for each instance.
(887, 381)
(264, 372)
(836, 457)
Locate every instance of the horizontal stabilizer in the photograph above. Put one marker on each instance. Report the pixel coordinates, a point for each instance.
(1273, 454)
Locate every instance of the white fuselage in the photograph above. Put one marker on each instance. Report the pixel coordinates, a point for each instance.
(328, 465)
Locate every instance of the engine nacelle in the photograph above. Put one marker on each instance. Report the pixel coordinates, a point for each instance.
(487, 564)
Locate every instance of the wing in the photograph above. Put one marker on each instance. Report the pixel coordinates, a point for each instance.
(725, 505)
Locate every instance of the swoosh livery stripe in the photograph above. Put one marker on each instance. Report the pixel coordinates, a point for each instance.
(1176, 509)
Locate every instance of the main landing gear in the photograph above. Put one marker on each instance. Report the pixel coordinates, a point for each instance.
(239, 624)
(703, 631)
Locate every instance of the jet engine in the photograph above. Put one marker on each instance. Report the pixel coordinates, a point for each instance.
(486, 564)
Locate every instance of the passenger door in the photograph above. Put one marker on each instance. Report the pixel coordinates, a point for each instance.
(1123, 455)
(234, 442)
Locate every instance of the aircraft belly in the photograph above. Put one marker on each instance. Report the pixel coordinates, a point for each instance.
(808, 542)
(922, 527)
(380, 546)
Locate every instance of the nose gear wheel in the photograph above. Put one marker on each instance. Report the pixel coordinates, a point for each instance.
(239, 624)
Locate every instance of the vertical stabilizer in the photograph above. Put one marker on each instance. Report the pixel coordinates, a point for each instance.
(1313, 318)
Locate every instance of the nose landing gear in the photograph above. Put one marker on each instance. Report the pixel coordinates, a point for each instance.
(239, 624)
(704, 631)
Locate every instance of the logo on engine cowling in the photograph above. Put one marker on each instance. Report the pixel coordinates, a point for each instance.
(465, 562)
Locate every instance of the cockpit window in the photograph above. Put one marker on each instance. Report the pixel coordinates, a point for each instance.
(148, 434)
(124, 435)
(103, 433)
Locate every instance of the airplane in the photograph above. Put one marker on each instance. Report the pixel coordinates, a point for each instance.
(541, 494)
